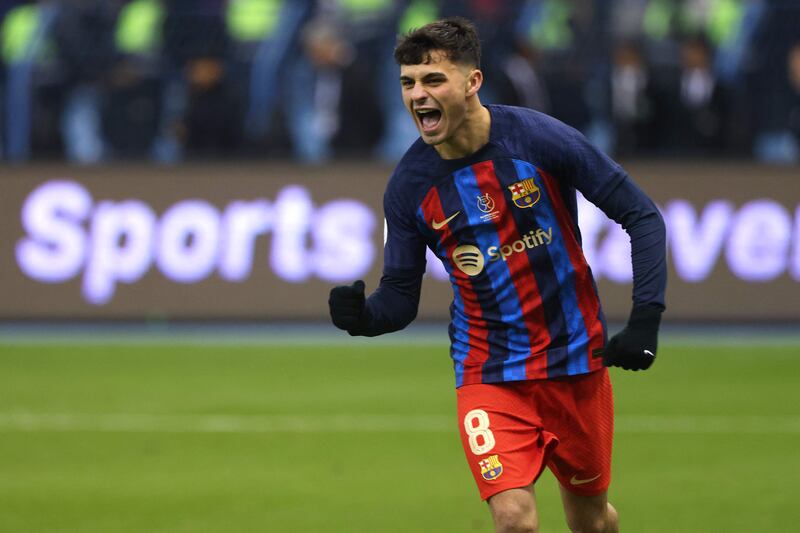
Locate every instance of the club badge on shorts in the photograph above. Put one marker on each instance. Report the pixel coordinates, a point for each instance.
(491, 468)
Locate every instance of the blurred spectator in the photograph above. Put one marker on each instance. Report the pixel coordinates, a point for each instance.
(774, 41)
(793, 67)
(24, 32)
(199, 111)
(779, 140)
(314, 92)
(93, 80)
(523, 71)
(133, 97)
(370, 82)
(265, 37)
(699, 110)
(83, 32)
(631, 100)
(559, 37)
(343, 83)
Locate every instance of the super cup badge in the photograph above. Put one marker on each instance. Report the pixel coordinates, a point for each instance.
(525, 193)
(486, 204)
(491, 468)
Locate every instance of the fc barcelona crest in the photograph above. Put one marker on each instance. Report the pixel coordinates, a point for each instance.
(491, 468)
(525, 193)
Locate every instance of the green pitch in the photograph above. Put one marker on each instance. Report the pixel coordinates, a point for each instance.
(361, 437)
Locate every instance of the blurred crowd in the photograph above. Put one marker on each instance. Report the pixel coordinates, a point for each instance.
(91, 81)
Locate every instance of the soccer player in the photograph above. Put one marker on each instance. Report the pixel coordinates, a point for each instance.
(491, 190)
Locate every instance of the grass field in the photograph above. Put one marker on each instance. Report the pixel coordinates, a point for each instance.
(177, 437)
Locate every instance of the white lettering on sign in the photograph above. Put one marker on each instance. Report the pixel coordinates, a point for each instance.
(113, 242)
(696, 239)
(188, 242)
(342, 239)
(68, 234)
(794, 267)
(242, 224)
(120, 249)
(55, 249)
(759, 242)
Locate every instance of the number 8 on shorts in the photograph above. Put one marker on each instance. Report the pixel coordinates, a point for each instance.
(476, 424)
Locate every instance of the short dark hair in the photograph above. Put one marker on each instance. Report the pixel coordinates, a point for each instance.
(455, 36)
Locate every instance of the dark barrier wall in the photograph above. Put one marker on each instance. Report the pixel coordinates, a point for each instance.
(256, 241)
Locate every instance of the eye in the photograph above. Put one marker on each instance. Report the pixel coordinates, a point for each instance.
(435, 81)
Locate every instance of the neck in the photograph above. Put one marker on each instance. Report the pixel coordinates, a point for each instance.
(471, 136)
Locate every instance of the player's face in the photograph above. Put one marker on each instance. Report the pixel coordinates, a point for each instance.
(437, 95)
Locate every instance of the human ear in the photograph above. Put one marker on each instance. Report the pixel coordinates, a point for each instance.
(474, 82)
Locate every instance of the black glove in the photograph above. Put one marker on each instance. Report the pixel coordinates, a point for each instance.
(634, 348)
(346, 303)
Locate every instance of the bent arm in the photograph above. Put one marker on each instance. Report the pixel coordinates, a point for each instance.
(392, 306)
(604, 183)
(630, 207)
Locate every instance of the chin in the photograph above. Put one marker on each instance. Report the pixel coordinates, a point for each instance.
(432, 140)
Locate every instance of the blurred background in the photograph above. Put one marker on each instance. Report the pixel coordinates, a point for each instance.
(182, 182)
(92, 81)
(175, 159)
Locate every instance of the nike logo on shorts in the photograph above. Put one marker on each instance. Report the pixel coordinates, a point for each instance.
(576, 481)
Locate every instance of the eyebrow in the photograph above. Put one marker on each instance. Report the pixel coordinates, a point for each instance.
(431, 76)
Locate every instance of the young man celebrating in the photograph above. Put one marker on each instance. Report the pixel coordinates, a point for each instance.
(491, 190)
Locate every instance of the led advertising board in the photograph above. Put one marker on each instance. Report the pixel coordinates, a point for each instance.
(267, 241)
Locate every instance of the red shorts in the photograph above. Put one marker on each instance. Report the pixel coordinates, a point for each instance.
(511, 431)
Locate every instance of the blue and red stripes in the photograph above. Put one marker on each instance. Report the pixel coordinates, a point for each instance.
(513, 274)
(467, 315)
(587, 297)
(554, 270)
(528, 315)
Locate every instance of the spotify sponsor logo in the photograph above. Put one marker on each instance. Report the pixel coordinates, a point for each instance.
(469, 259)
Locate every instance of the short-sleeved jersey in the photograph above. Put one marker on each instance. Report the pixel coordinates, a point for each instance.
(504, 223)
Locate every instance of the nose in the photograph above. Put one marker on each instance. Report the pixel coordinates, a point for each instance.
(417, 93)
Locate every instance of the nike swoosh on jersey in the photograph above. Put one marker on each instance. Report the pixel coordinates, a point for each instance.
(576, 481)
(443, 223)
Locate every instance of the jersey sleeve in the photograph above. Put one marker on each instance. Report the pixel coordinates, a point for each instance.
(395, 302)
(404, 249)
(585, 167)
(628, 205)
(604, 183)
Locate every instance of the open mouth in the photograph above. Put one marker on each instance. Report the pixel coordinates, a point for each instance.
(429, 119)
